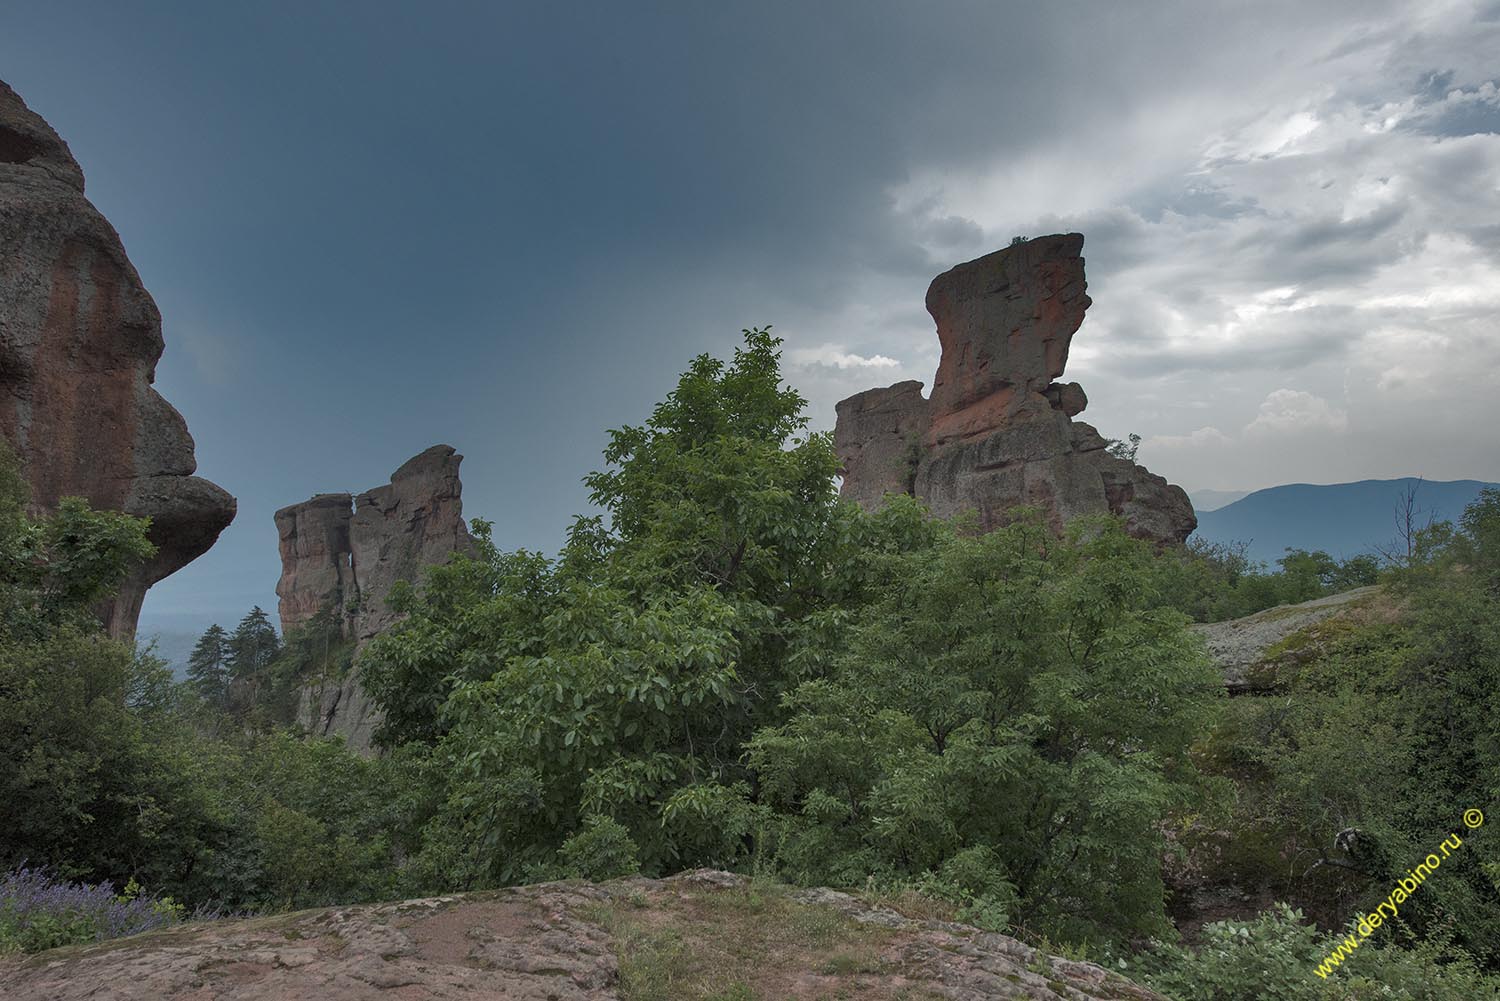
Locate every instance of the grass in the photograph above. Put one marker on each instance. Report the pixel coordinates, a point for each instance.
(911, 904)
(744, 944)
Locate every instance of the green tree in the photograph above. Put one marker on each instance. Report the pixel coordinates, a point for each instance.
(472, 615)
(623, 679)
(55, 569)
(1125, 448)
(1012, 716)
(70, 699)
(208, 667)
(251, 650)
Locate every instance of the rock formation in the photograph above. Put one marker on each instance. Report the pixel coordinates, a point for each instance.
(1254, 651)
(997, 431)
(563, 942)
(344, 552)
(79, 341)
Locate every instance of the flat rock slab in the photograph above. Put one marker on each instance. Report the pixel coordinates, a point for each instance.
(1242, 647)
(558, 942)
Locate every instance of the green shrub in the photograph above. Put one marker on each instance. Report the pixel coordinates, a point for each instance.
(1277, 954)
(602, 850)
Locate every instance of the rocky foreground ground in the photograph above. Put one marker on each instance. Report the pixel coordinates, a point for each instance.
(703, 935)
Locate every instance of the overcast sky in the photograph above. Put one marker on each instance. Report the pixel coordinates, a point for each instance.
(371, 227)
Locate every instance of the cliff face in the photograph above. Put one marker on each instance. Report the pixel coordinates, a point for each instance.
(346, 552)
(316, 561)
(998, 430)
(79, 341)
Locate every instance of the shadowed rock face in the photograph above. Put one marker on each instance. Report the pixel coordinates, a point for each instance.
(79, 341)
(998, 431)
(879, 437)
(316, 565)
(346, 552)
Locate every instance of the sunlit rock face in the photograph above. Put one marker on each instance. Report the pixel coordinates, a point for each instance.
(998, 430)
(79, 341)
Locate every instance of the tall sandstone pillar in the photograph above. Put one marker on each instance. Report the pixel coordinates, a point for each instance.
(345, 552)
(998, 431)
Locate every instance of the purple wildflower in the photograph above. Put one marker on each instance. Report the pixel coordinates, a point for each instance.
(39, 911)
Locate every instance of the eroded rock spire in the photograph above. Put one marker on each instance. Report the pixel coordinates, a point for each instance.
(998, 430)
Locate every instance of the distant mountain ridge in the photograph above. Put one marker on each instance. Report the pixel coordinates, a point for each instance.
(1212, 500)
(1342, 519)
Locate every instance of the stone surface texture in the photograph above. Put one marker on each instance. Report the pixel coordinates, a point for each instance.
(546, 941)
(79, 341)
(345, 552)
(998, 430)
(879, 438)
(1251, 651)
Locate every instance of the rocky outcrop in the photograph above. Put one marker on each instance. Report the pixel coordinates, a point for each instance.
(1005, 323)
(344, 553)
(411, 523)
(1253, 651)
(879, 438)
(998, 430)
(569, 942)
(316, 561)
(79, 341)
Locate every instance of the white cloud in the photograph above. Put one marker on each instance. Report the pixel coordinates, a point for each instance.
(834, 356)
(1210, 437)
(1290, 411)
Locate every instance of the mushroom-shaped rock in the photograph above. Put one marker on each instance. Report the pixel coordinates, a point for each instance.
(998, 431)
(79, 341)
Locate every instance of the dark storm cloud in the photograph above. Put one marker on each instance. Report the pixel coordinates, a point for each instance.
(375, 226)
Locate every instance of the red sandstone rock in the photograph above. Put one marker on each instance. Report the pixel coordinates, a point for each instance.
(315, 558)
(347, 552)
(79, 341)
(1005, 322)
(998, 432)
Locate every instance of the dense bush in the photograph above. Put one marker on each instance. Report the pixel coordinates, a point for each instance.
(1275, 956)
(111, 773)
(1010, 712)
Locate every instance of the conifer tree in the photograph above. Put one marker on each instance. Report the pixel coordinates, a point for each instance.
(252, 648)
(208, 666)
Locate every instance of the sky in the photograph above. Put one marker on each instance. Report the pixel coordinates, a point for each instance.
(372, 227)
